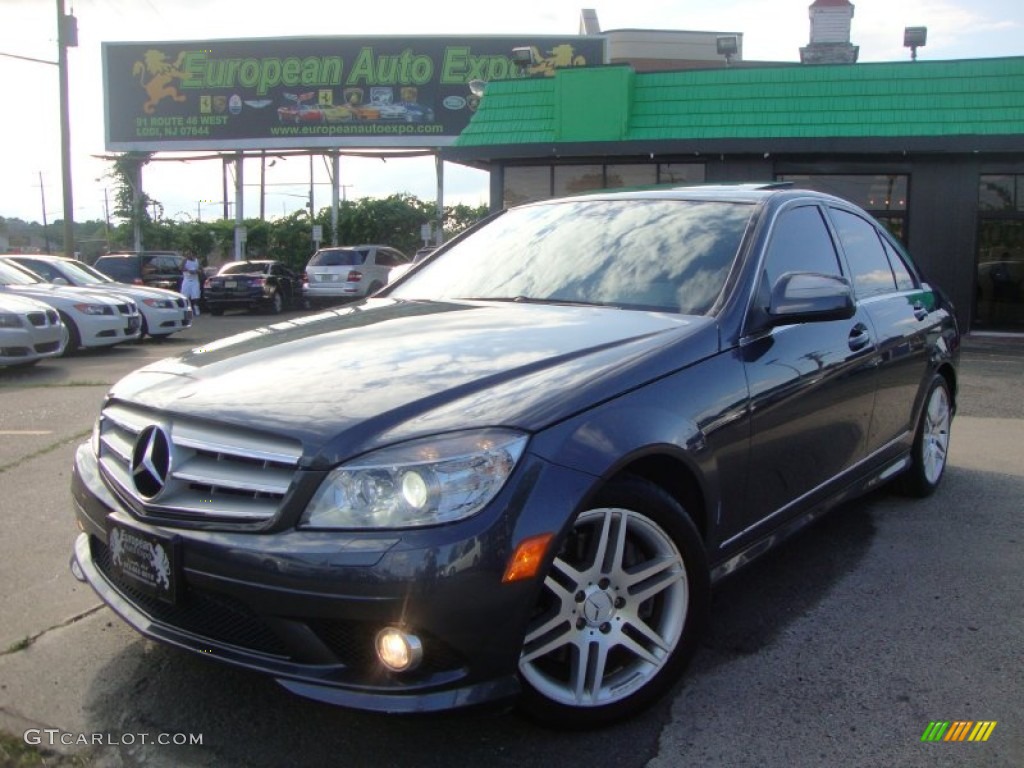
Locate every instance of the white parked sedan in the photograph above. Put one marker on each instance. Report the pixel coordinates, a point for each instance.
(29, 331)
(163, 312)
(89, 318)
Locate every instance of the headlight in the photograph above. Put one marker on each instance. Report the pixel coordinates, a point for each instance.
(94, 309)
(159, 303)
(9, 320)
(422, 482)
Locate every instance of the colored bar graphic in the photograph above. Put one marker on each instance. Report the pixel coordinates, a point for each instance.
(958, 730)
(982, 731)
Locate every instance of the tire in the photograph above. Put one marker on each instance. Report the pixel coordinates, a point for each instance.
(374, 287)
(612, 631)
(71, 337)
(931, 442)
(216, 311)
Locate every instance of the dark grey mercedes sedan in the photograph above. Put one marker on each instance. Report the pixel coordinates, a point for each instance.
(515, 473)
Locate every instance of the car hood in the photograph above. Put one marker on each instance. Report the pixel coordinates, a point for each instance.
(12, 302)
(137, 292)
(46, 292)
(346, 381)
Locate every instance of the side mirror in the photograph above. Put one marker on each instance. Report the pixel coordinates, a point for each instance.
(60, 281)
(808, 297)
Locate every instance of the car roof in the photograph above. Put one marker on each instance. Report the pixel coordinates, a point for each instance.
(40, 257)
(745, 192)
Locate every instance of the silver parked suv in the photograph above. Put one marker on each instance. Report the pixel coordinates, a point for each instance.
(349, 272)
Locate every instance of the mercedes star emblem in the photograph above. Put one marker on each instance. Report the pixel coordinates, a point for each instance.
(151, 462)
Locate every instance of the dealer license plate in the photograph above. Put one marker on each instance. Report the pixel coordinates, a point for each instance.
(146, 560)
(230, 283)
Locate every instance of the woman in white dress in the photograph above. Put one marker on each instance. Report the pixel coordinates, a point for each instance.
(190, 281)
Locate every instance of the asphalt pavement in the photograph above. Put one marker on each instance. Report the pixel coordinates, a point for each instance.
(837, 649)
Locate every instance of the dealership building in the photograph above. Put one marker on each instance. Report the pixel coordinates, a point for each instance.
(933, 149)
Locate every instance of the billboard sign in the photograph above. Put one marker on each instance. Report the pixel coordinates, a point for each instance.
(400, 92)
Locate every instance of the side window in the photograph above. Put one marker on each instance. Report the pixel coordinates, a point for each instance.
(800, 242)
(41, 268)
(872, 274)
(904, 278)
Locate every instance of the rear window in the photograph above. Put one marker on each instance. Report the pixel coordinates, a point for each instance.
(337, 257)
(243, 267)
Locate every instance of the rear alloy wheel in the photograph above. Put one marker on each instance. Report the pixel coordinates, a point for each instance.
(931, 442)
(620, 610)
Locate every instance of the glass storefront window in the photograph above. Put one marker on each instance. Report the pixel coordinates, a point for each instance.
(524, 184)
(999, 290)
(618, 176)
(576, 179)
(998, 193)
(872, 192)
(681, 173)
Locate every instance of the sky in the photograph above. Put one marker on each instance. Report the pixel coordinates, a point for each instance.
(773, 30)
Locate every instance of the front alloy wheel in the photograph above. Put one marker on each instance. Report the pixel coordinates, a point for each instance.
(617, 618)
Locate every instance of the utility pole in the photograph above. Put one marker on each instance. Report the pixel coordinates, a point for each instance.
(42, 199)
(67, 27)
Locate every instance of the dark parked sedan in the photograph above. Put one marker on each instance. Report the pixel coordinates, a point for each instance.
(268, 285)
(516, 472)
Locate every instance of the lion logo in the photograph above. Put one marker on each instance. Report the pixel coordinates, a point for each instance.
(162, 73)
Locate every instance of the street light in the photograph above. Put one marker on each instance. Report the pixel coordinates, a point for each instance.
(728, 46)
(914, 38)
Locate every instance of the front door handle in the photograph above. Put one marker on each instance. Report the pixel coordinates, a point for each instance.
(860, 337)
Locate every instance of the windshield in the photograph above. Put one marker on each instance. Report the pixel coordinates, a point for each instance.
(11, 275)
(664, 255)
(79, 274)
(95, 276)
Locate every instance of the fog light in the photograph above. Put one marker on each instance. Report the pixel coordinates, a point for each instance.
(399, 651)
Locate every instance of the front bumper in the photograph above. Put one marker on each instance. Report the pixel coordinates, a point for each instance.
(305, 606)
(163, 322)
(107, 330)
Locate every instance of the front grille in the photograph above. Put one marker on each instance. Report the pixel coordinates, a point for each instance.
(15, 351)
(213, 472)
(38, 319)
(207, 614)
(50, 346)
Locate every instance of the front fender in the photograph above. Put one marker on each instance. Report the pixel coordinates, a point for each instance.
(697, 418)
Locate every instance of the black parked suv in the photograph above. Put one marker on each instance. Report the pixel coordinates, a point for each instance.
(161, 269)
(518, 470)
